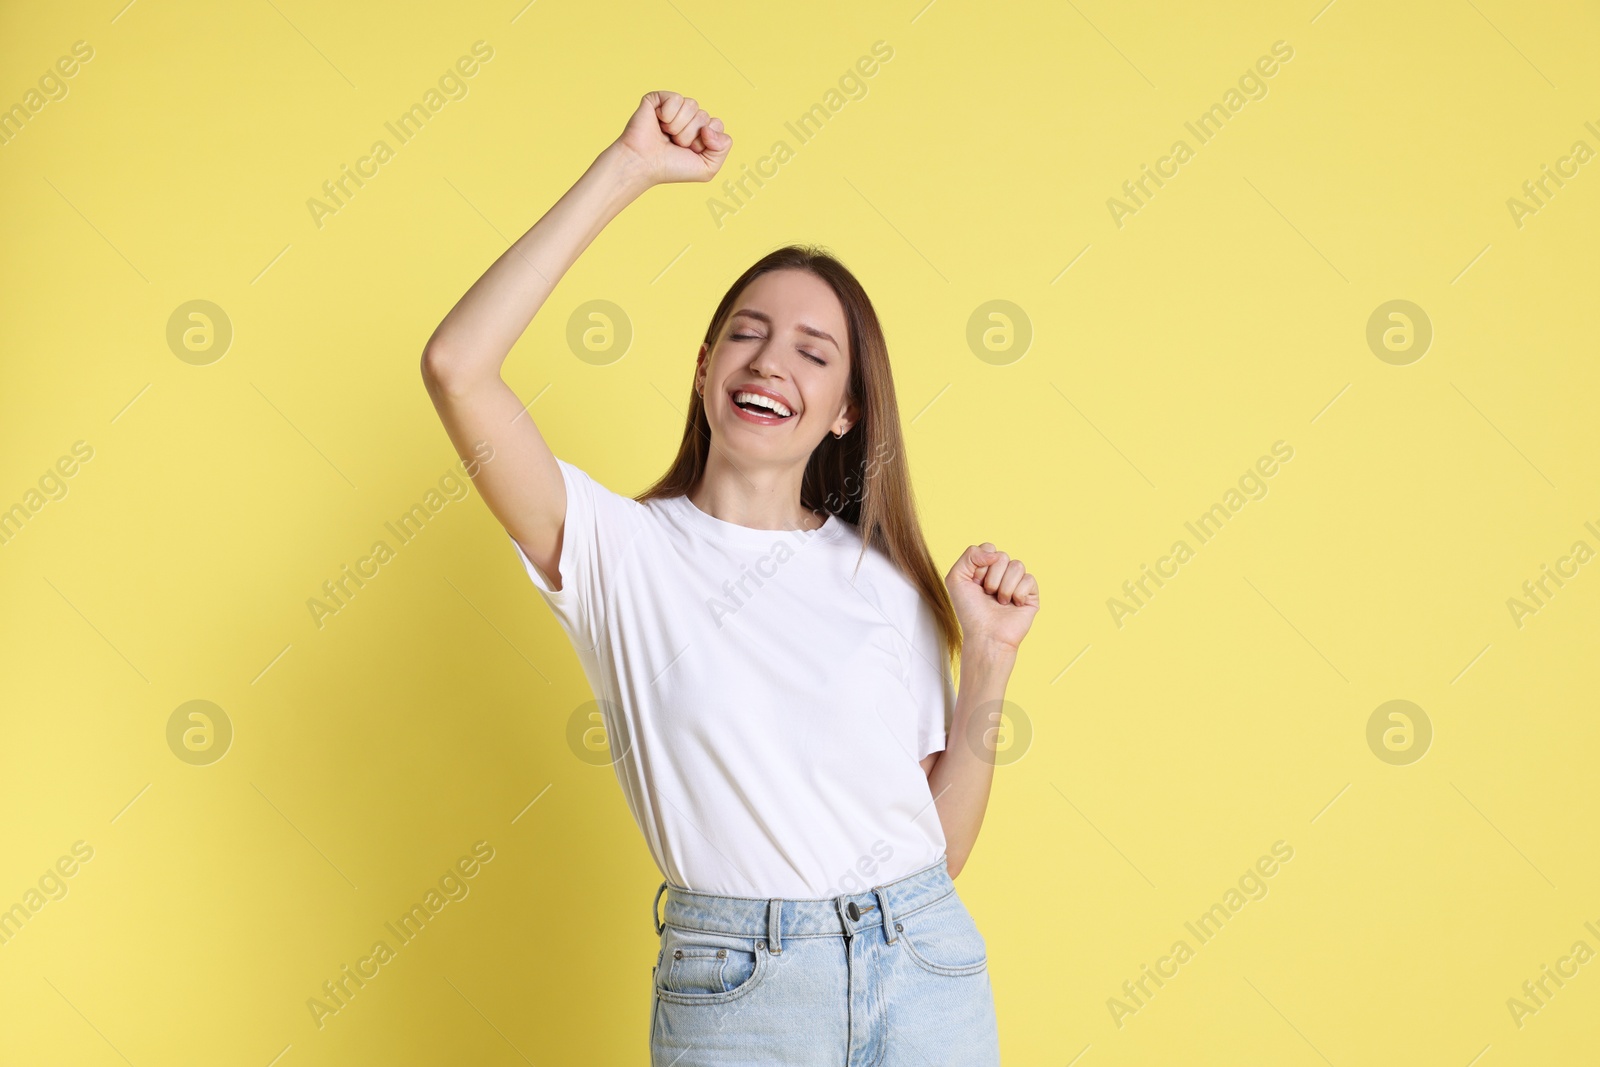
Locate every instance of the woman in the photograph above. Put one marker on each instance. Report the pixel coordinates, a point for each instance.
(770, 645)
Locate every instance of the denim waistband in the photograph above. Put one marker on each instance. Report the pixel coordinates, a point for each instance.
(776, 919)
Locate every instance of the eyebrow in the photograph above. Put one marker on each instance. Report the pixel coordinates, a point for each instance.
(802, 327)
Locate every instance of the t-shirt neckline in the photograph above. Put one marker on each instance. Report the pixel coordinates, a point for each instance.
(750, 535)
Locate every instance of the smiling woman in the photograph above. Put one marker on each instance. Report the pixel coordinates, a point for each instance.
(766, 751)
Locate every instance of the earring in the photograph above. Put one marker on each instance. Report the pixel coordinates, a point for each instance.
(837, 435)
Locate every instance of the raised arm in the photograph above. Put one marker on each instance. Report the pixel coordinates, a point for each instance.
(995, 600)
(667, 139)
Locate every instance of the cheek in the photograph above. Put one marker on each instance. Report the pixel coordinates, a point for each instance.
(823, 392)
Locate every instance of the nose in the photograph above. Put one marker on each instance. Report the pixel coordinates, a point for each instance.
(766, 363)
(765, 370)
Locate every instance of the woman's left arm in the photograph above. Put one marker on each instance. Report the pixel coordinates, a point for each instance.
(995, 600)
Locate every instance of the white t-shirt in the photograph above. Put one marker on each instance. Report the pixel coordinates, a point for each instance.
(770, 706)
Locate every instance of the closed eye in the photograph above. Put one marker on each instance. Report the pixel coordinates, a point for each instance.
(818, 360)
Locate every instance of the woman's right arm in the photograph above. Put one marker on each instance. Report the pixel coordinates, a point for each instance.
(667, 139)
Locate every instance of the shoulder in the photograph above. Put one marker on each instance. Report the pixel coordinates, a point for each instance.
(595, 493)
(581, 476)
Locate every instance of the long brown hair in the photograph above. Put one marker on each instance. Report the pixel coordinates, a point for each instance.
(861, 478)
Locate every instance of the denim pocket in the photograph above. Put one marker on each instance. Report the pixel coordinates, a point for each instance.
(943, 939)
(706, 968)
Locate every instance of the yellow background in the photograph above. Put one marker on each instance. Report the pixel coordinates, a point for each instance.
(1229, 313)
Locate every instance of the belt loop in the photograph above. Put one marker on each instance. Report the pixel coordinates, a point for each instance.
(654, 904)
(883, 906)
(774, 921)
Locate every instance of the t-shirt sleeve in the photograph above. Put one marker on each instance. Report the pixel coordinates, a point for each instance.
(932, 689)
(598, 530)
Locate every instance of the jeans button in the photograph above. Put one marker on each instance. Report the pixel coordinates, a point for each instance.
(851, 910)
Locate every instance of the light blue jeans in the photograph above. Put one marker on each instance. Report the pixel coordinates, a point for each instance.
(893, 976)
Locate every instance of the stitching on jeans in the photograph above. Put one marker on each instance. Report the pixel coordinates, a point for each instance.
(719, 971)
(883, 1027)
(961, 971)
(757, 976)
(719, 933)
(923, 907)
(958, 970)
(787, 937)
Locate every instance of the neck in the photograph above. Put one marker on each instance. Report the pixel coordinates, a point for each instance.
(758, 497)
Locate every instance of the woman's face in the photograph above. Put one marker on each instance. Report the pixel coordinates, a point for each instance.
(787, 342)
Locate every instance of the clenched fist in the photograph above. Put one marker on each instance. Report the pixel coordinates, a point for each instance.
(672, 139)
(994, 595)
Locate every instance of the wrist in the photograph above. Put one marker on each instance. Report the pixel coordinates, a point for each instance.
(626, 167)
(987, 651)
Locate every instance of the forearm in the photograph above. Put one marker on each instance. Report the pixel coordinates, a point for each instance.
(474, 338)
(962, 776)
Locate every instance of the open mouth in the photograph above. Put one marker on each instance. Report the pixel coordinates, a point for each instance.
(754, 407)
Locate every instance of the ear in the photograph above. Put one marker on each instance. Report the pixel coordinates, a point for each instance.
(852, 412)
(700, 369)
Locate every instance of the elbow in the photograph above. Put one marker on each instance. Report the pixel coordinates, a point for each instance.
(441, 372)
(954, 864)
(435, 365)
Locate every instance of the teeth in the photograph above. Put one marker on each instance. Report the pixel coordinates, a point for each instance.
(761, 401)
